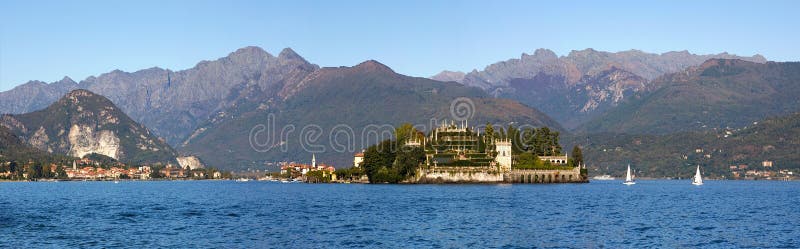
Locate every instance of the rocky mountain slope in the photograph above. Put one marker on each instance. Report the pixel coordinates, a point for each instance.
(352, 100)
(173, 103)
(12, 148)
(578, 87)
(82, 123)
(719, 93)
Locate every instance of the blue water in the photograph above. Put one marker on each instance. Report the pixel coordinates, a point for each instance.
(672, 214)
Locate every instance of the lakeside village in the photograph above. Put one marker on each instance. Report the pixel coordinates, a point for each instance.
(453, 153)
(91, 169)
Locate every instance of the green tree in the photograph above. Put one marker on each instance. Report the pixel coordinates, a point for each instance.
(404, 132)
(490, 136)
(408, 160)
(377, 157)
(577, 155)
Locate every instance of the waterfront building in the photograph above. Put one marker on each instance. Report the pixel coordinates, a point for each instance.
(357, 159)
(459, 153)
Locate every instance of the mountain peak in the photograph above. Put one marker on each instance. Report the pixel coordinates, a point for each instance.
(373, 65)
(249, 51)
(66, 81)
(446, 75)
(543, 52)
(288, 53)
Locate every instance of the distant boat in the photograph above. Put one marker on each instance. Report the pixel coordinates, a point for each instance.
(243, 179)
(284, 181)
(628, 177)
(697, 179)
(603, 178)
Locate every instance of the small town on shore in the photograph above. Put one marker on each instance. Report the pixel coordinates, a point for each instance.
(88, 169)
(449, 153)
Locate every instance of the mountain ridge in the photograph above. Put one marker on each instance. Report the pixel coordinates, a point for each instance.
(357, 97)
(559, 79)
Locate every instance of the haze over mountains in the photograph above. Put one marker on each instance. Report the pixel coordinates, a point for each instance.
(209, 110)
(583, 84)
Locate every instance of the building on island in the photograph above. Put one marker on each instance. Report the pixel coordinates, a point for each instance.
(357, 159)
(459, 153)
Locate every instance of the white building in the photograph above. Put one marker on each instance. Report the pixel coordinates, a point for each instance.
(503, 158)
(357, 159)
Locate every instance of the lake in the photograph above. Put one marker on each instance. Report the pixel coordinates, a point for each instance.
(672, 214)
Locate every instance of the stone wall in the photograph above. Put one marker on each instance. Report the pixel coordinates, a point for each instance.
(545, 176)
(492, 175)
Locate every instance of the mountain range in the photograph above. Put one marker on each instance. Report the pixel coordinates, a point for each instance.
(173, 103)
(717, 94)
(594, 98)
(357, 97)
(582, 85)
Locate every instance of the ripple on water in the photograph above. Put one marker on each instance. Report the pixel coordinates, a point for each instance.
(207, 214)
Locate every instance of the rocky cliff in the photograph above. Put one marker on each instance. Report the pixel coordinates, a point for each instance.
(82, 123)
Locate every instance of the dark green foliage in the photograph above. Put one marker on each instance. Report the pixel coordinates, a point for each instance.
(389, 162)
(317, 176)
(540, 141)
(673, 155)
(577, 155)
(14, 155)
(350, 174)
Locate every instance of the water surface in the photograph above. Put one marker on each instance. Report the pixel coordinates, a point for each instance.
(673, 214)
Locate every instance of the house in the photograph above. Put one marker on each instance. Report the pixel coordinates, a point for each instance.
(357, 159)
(766, 163)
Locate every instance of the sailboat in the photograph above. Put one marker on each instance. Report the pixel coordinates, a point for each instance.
(697, 179)
(628, 177)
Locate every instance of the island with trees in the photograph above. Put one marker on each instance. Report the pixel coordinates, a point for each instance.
(456, 153)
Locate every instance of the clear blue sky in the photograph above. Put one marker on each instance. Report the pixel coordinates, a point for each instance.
(46, 40)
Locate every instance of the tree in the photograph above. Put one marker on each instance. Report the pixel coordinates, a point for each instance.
(404, 132)
(377, 157)
(60, 172)
(513, 135)
(408, 160)
(489, 135)
(577, 155)
(528, 139)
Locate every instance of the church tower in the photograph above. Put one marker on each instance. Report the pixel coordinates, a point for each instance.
(503, 158)
(313, 161)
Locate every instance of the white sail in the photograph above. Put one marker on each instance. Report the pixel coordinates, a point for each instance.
(697, 179)
(628, 177)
